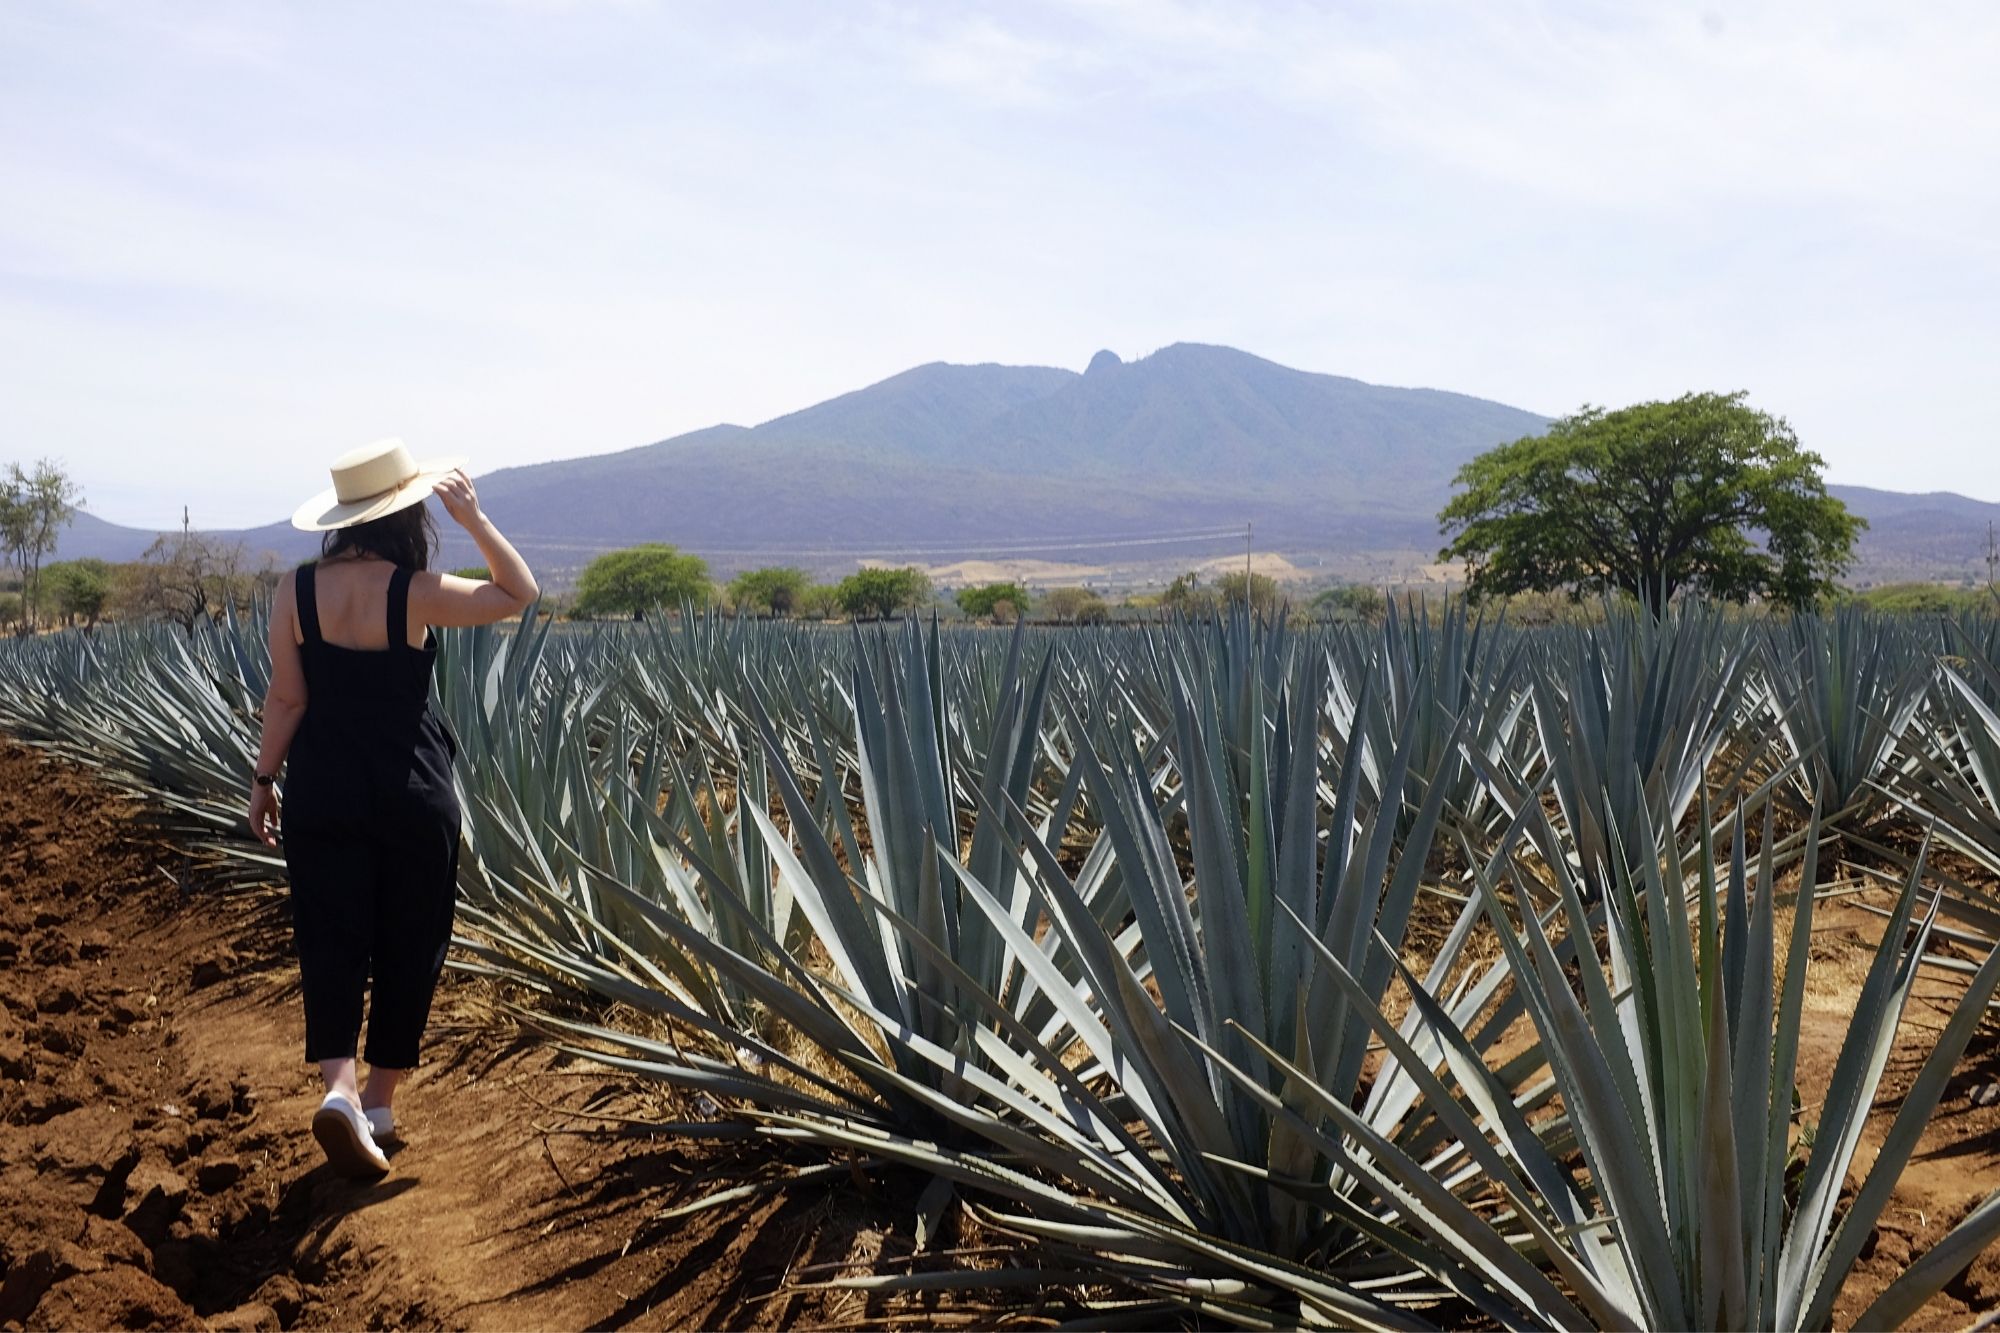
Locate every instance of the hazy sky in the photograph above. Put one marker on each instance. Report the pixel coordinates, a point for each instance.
(238, 238)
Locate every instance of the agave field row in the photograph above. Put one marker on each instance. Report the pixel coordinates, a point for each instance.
(1358, 977)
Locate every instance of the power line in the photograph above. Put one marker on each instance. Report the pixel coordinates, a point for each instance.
(969, 550)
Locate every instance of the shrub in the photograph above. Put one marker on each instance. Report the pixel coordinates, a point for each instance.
(1924, 599)
(1353, 601)
(775, 589)
(78, 588)
(1075, 606)
(882, 592)
(818, 601)
(984, 599)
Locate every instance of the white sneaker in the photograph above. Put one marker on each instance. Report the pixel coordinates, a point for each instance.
(382, 1124)
(344, 1135)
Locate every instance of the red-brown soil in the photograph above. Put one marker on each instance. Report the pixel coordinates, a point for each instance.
(156, 1172)
(1957, 1162)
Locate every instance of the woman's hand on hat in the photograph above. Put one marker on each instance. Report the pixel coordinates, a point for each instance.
(458, 497)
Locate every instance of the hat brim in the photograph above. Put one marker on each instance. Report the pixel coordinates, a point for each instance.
(324, 511)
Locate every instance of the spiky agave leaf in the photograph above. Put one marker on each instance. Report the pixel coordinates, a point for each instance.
(1676, 1070)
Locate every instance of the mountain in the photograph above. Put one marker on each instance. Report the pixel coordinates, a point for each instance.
(966, 460)
(1156, 459)
(1190, 413)
(1930, 535)
(89, 536)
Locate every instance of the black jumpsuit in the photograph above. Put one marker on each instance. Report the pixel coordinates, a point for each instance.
(371, 829)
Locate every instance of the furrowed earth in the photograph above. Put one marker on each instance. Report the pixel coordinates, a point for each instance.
(155, 1169)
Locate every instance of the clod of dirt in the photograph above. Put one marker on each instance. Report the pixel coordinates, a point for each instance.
(110, 1200)
(40, 1104)
(116, 1243)
(99, 1245)
(113, 1086)
(170, 1138)
(218, 1174)
(158, 1194)
(30, 1277)
(52, 950)
(118, 1297)
(212, 1098)
(282, 1294)
(254, 1317)
(119, 1014)
(13, 1058)
(56, 1040)
(59, 994)
(213, 966)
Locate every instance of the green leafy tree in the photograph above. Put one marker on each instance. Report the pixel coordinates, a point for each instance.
(1353, 601)
(989, 599)
(1187, 596)
(1075, 606)
(78, 588)
(1263, 589)
(883, 592)
(818, 601)
(641, 579)
(1703, 494)
(775, 589)
(35, 506)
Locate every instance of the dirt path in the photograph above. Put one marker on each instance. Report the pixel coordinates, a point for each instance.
(155, 1169)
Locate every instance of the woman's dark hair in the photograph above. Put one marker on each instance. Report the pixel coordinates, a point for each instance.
(406, 537)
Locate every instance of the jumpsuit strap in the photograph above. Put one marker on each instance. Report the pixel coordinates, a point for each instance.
(399, 607)
(306, 595)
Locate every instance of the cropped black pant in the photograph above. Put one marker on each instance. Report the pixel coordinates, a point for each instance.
(371, 904)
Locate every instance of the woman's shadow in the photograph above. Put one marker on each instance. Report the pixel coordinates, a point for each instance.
(316, 1203)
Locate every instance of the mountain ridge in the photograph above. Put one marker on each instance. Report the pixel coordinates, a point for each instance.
(944, 460)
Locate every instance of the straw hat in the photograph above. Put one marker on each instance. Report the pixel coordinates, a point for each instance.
(370, 482)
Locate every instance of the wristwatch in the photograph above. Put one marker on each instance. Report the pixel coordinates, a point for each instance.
(265, 779)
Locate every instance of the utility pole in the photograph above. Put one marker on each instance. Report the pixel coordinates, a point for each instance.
(1992, 561)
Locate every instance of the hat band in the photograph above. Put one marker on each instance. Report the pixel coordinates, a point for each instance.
(350, 488)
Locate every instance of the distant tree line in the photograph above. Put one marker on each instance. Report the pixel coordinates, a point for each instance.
(658, 578)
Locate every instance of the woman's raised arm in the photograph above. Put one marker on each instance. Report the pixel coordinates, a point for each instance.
(446, 599)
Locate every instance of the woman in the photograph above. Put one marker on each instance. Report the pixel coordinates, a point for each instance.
(371, 821)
